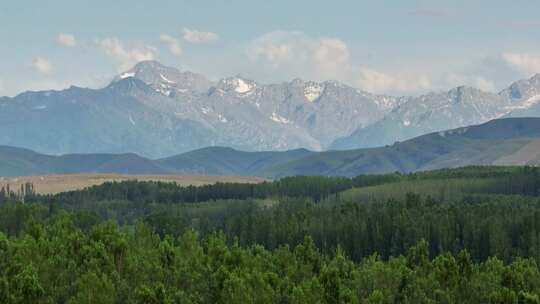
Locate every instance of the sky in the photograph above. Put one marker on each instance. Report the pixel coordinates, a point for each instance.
(395, 47)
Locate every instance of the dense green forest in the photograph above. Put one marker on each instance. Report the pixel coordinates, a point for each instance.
(469, 235)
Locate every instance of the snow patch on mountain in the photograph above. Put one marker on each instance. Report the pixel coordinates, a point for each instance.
(312, 91)
(527, 103)
(242, 86)
(238, 85)
(386, 102)
(164, 89)
(127, 75)
(166, 79)
(279, 119)
(222, 118)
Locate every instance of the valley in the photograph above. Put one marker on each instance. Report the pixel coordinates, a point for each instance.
(509, 141)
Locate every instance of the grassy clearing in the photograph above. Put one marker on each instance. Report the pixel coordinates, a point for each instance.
(451, 189)
(51, 184)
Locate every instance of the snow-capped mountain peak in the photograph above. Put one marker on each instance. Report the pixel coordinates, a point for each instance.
(183, 109)
(242, 86)
(437, 111)
(166, 80)
(238, 85)
(523, 90)
(313, 90)
(126, 75)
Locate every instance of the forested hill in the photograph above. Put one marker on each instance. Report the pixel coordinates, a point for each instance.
(512, 141)
(466, 235)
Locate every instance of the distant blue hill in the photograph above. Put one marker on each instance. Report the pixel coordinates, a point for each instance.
(511, 141)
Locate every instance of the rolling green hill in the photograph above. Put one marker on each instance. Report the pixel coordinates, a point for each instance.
(511, 141)
(477, 145)
(19, 162)
(227, 161)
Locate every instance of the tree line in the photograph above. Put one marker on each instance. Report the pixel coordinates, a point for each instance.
(514, 180)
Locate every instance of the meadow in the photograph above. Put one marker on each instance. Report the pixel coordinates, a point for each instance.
(52, 184)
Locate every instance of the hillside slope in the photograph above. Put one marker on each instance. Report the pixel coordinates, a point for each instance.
(227, 161)
(484, 144)
(511, 141)
(21, 162)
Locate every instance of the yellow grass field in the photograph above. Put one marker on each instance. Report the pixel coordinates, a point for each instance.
(51, 184)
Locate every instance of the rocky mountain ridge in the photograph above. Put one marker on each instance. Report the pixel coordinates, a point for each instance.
(155, 111)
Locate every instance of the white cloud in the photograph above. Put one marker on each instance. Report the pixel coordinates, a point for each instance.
(275, 54)
(294, 54)
(525, 63)
(199, 37)
(42, 65)
(484, 84)
(301, 55)
(66, 40)
(379, 82)
(331, 56)
(454, 79)
(126, 56)
(172, 43)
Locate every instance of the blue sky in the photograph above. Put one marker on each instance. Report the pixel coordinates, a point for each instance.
(394, 47)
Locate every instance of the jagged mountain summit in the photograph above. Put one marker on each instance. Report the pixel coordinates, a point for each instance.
(456, 108)
(526, 96)
(277, 116)
(167, 80)
(155, 111)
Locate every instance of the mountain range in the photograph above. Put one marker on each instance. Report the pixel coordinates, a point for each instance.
(156, 111)
(461, 106)
(509, 141)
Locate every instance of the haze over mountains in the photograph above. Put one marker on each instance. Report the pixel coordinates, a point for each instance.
(511, 141)
(461, 106)
(157, 111)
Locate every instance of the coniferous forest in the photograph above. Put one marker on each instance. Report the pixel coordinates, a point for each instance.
(468, 235)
